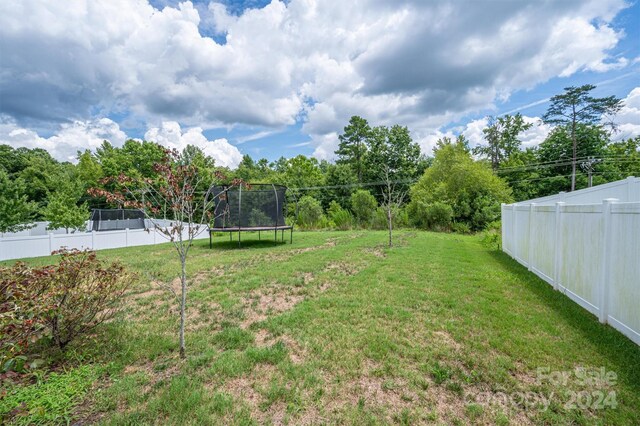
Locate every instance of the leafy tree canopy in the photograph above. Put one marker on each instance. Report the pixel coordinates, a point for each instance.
(63, 210)
(470, 188)
(353, 144)
(16, 212)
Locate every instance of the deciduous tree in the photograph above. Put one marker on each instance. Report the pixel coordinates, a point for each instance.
(63, 209)
(16, 211)
(393, 196)
(472, 190)
(502, 138)
(176, 186)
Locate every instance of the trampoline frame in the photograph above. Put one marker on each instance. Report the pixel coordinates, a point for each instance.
(231, 229)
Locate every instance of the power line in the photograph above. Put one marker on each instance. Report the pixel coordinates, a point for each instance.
(525, 167)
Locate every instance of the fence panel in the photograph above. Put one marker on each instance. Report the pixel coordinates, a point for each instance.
(581, 235)
(520, 242)
(624, 279)
(542, 244)
(22, 247)
(590, 252)
(19, 247)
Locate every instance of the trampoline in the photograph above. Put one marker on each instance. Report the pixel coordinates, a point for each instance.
(116, 219)
(250, 208)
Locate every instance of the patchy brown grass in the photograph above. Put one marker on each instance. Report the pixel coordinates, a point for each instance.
(445, 338)
(343, 267)
(262, 303)
(377, 251)
(297, 353)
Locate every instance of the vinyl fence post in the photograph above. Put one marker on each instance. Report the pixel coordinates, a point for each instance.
(630, 181)
(502, 224)
(93, 240)
(514, 235)
(126, 237)
(530, 249)
(50, 242)
(558, 246)
(605, 265)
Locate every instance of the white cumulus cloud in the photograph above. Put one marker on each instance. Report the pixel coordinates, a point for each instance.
(628, 119)
(69, 139)
(170, 135)
(316, 62)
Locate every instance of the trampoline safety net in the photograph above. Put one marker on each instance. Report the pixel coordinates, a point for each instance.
(249, 206)
(116, 219)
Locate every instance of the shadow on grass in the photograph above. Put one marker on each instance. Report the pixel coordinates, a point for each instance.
(248, 241)
(609, 342)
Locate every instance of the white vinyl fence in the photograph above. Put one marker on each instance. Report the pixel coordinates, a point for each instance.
(589, 250)
(23, 246)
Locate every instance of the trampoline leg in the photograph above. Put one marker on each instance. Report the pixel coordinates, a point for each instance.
(275, 240)
(230, 236)
(291, 242)
(210, 242)
(238, 238)
(258, 235)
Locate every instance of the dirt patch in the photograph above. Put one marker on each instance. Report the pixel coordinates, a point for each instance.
(249, 390)
(342, 267)
(200, 277)
(258, 306)
(199, 318)
(324, 286)
(156, 290)
(331, 242)
(307, 277)
(376, 251)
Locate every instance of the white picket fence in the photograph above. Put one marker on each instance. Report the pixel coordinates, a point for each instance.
(588, 250)
(24, 246)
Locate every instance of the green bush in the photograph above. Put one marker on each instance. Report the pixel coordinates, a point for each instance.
(363, 205)
(341, 218)
(401, 218)
(436, 216)
(460, 228)
(310, 213)
(379, 219)
(492, 235)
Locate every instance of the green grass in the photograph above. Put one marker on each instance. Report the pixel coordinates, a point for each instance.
(336, 329)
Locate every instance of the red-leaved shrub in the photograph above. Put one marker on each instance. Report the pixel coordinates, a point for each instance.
(57, 302)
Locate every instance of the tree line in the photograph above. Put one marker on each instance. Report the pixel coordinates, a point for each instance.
(457, 188)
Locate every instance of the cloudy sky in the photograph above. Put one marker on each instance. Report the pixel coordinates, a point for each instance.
(282, 78)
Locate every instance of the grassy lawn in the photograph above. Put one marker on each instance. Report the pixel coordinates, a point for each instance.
(337, 329)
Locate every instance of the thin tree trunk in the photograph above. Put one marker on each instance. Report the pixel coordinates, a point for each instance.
(183, 304)
(390, 227)
(573, 165)
(575, 151)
